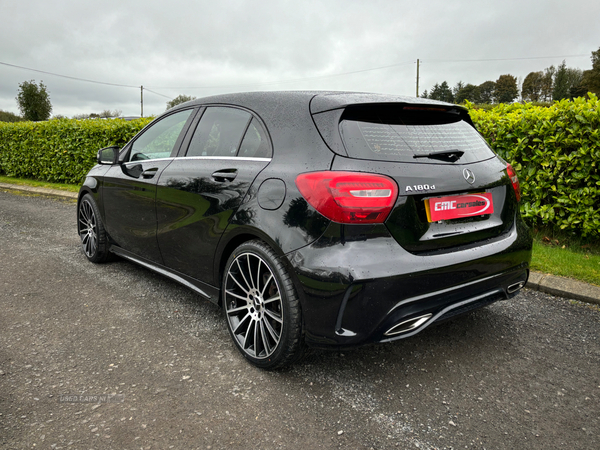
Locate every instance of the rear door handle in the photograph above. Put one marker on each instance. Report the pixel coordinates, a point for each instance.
(149, 173)
(225, 175)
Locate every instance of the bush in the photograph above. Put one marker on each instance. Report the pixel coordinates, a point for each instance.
(556, 152)
(60, 151)
(6, 116)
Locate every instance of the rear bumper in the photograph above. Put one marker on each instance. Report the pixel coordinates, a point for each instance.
(359, 286)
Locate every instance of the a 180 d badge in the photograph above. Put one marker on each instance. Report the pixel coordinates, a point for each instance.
(420, 187)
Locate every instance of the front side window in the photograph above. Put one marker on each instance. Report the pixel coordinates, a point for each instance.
(219, 132)
(159, 140)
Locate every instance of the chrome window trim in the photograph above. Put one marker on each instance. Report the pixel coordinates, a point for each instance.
(148, 160)
(224, 158)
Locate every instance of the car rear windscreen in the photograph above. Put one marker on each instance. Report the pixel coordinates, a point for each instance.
(409, 134)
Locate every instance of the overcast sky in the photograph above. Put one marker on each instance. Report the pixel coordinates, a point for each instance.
(201, 48)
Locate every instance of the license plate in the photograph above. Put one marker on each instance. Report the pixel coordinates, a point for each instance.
(458, 206)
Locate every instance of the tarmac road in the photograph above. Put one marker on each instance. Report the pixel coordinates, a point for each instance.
(519, 374)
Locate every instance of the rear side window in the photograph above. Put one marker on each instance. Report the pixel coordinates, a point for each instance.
(219, 132)
(401, 134)
(255, 143)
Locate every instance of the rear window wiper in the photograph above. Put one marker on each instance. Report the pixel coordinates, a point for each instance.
(443, 155)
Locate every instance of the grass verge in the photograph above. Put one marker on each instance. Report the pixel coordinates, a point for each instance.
(566, 256)
(35, 183)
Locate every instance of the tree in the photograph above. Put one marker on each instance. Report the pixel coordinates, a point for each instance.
(468, 92)
(179, 99)
(456, 89)
(486, 92)
(34, 101)
(532, 86)
(560, 89)
(506, 89)
(591, 78)
(441, 92)
(574, 78)
(548, 84)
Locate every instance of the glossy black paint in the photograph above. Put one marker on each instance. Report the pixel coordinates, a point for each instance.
(194, 204)
(183, 217)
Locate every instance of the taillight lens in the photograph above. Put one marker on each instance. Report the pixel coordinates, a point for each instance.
(514, 180)
(349, 197)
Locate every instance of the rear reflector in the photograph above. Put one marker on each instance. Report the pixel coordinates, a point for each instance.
(349, 197)
(512, 174)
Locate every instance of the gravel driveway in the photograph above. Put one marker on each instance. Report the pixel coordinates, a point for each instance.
(114, 356)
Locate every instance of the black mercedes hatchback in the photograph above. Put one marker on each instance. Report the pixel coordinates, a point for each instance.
(319, 219)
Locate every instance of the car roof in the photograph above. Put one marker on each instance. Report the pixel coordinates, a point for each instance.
(317, 101)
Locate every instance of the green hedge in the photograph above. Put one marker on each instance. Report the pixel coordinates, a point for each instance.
(556, 152)
(60, 151)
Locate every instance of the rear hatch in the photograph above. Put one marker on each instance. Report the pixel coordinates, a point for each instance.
(453, 191)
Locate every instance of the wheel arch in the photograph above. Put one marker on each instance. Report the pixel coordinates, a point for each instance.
(227, 246)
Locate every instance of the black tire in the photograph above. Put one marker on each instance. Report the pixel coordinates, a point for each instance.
(94, 240)
(261, 307)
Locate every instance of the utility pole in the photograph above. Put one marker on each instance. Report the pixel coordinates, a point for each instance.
(417, 77)
(142, 100)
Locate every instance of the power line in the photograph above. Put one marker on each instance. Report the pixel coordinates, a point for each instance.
(162, 95)
(81, 79)
(504, 59)
(270, 83)
(68, 77)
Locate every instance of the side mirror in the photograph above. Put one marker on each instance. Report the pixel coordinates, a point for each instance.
(108, 155)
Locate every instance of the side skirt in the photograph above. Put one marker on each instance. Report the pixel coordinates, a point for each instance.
(205, 290)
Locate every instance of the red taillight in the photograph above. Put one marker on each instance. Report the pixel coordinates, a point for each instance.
(349, 197)
(514, 180)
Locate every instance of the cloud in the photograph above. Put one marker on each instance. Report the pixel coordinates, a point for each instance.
(201, 48)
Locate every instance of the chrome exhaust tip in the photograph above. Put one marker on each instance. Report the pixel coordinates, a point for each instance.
(515, 287)
(408, 325)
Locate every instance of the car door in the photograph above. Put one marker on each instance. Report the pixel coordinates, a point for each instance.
(199, 192)
(129, 190)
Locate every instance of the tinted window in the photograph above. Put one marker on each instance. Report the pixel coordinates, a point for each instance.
(255, 143)
(402, 135)
(219, 132)
(159, 140)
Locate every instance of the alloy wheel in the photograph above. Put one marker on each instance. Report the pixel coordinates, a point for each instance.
(88, 229)
(253, 305)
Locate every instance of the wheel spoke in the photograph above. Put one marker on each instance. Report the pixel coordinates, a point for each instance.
(256, 339)
(272, 299)
(272, 332)
(234, 311)
(238, 283)
(247, 334)
(243, 276)
(86, 245)
(264, 338)
(257, 285)
(266, 284)
(250, 271)
(273, 316)
(233, 294)
(92, 244)
(239, 325)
